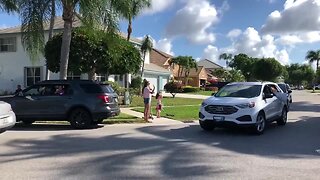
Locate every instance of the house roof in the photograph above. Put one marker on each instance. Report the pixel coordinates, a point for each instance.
(155, 68)
(159, 57)
(58, 25)
(208, 64)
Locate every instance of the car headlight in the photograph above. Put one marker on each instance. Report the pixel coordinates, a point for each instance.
(203, 104)
(246, 105)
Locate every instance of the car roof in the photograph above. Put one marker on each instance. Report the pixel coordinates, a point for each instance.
(251, 83)
(64, 81)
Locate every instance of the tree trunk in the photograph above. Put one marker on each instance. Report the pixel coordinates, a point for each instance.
(144, 59)
(317, 65)
(53, 15)
(129, 30)
(66, 39)
(92, 74)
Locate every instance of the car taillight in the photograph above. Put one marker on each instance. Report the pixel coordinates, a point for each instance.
(104, 98)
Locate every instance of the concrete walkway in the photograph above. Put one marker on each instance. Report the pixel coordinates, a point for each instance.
(157, 121)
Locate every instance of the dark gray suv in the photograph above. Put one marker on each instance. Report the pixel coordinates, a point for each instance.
(81, 102)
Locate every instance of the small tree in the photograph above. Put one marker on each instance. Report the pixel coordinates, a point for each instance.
(173, 88)
(267, 69)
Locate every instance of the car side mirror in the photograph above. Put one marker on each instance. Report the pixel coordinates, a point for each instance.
(289, 91)
(268, 95)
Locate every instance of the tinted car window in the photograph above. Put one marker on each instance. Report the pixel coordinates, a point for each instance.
(283, 87)
(240, 90)
(107, 88)
(91, 88)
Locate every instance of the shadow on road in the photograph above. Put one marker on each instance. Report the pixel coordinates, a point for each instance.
(45, 127)
(305, 106)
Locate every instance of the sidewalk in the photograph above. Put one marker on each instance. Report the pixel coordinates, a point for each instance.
(157, 121)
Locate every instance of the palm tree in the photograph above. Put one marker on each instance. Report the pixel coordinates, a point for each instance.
(34, 13)
(131, 9)
(145, 47)
(313, 56)
(226, 57)
(8, 6)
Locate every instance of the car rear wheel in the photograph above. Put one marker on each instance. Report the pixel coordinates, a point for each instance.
(284, 117)
(260, 124)
(206, 125)
(80, 118)
(28, 122)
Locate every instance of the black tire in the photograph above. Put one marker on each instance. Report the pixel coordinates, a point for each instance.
(284, 117)
(206, 125)
(260, 125)
(80, 118)
(28, 122)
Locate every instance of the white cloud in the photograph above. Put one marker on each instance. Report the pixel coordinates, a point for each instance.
(159, 6)
(253, 44)
(193, 21)
(298, 16)
(211, 53)
(234, 33)
(164, 45)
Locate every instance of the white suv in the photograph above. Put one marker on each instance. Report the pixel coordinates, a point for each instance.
(250, 104)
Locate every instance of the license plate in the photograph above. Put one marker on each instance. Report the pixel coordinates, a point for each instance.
(218, 118)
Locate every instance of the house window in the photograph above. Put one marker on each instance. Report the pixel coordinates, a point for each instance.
(101, 77)
(116, 78)
(72, 76)
(32, 75)
(8, 44)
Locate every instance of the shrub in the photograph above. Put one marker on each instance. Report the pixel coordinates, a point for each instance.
(214, 89)
(136, 82)
(173, 88)
(187, 89)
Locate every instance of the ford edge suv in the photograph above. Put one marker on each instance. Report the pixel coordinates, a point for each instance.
(246, 104)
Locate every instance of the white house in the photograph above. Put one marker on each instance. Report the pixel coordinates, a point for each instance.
(17, 68)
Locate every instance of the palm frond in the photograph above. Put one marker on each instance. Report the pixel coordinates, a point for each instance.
(8, 6)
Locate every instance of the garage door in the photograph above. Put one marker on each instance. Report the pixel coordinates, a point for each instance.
(153, 81)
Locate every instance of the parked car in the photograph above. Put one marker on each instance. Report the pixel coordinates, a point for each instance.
(317, 87)
(248, 104)
(81, 102)
(7, 117)
(286, 89)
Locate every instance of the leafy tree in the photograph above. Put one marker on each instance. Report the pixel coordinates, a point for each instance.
(173, 88)
(235, 76)
(267, 69)
(317, 79)
(297, 74)
(94, 52)
(313, 56)
(245, 64)
(145, 47)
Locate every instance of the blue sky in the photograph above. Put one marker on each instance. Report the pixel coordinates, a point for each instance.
(283, 29)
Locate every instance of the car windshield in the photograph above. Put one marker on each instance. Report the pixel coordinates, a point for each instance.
(240, 90)
(283, 87)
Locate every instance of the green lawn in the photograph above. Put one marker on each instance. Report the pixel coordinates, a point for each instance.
(181, 113)
(166, 101)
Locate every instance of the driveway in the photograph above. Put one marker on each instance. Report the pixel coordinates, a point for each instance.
(175, 151)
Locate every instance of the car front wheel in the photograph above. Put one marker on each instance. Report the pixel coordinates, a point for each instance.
(206, 125)
(283, 119)
(80, 118)
(260, 124)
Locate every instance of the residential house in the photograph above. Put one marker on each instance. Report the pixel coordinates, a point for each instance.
(210, 66)
(197, 77)
(17, 68)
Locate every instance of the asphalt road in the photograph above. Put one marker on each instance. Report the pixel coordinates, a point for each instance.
(176, 151)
